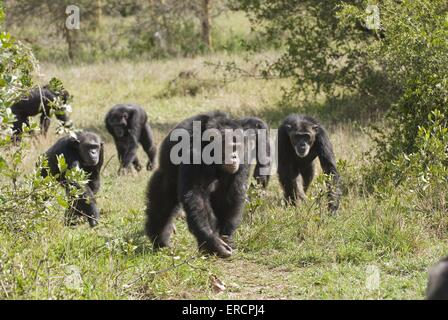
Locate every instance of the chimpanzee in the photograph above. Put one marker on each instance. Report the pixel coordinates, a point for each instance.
(128, 124)
(262, 148)
(85, 151)
(31, 105)
(300, 140)
(437, 288)
(211, 193)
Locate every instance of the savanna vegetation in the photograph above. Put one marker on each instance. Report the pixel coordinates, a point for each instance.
(379, 84)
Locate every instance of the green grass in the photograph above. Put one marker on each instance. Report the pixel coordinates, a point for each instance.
(293, 253)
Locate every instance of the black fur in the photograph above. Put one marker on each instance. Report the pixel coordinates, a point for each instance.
(212, 199)
(132, 120)
(31, 106)
(263, 160)
(75, 154)
(437, 288)
(290, 165)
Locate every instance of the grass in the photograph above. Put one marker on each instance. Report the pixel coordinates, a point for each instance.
(116, 38)
(282, 253)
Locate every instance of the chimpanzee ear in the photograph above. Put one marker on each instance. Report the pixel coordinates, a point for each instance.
(288, 127)
(316, 127)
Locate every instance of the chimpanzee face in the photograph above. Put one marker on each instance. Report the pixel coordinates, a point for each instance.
(119, 123)
(89, 147)
(302, 137)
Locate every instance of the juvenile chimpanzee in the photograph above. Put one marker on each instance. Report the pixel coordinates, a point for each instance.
(262, 148)
(211, 193)
(38, 101)
(85, 151)
(437, 288)
(128, 124)
(300, 140)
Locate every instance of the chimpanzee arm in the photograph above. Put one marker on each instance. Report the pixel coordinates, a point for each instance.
(228, 200)
(72, 159)
(134, 129)
(194, 181)
(44, 123)
(262, 148)
(287, 170)
(147, 142)
(137, 120)
(328, 164)
(85, 206)
(131, 152)
(263, 167)
(195, 199)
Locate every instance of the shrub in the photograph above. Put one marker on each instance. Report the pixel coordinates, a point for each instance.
(27, 200)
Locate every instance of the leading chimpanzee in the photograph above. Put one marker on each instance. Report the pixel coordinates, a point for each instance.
(85, 151)
(211, 193)
(128, 124)
(300, 140)
(39, 101)
(262, 148)
(437, 288)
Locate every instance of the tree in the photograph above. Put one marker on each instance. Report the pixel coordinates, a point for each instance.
(402, 62)
(206, 24)
(54, 15)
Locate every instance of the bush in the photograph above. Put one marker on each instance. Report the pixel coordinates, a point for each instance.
(27, 201)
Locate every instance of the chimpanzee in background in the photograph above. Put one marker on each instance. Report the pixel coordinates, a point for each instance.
(128, 124)
(437, 288)
(212, 195)
(85, 151)
(300, 140)
(39, 101)
(263, 167)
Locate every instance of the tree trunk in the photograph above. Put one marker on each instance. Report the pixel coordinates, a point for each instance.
(99, 14)
(206, 24)
(70, 38)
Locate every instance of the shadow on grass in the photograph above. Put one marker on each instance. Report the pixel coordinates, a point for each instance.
(333, 111)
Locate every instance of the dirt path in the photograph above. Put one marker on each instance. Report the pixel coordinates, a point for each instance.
(247, 280)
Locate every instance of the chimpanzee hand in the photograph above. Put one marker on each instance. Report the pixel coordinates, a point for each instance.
(215, 245)
(228, 240)
(126, 170)
(138, 167)
(93, 222)
(333, 207)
